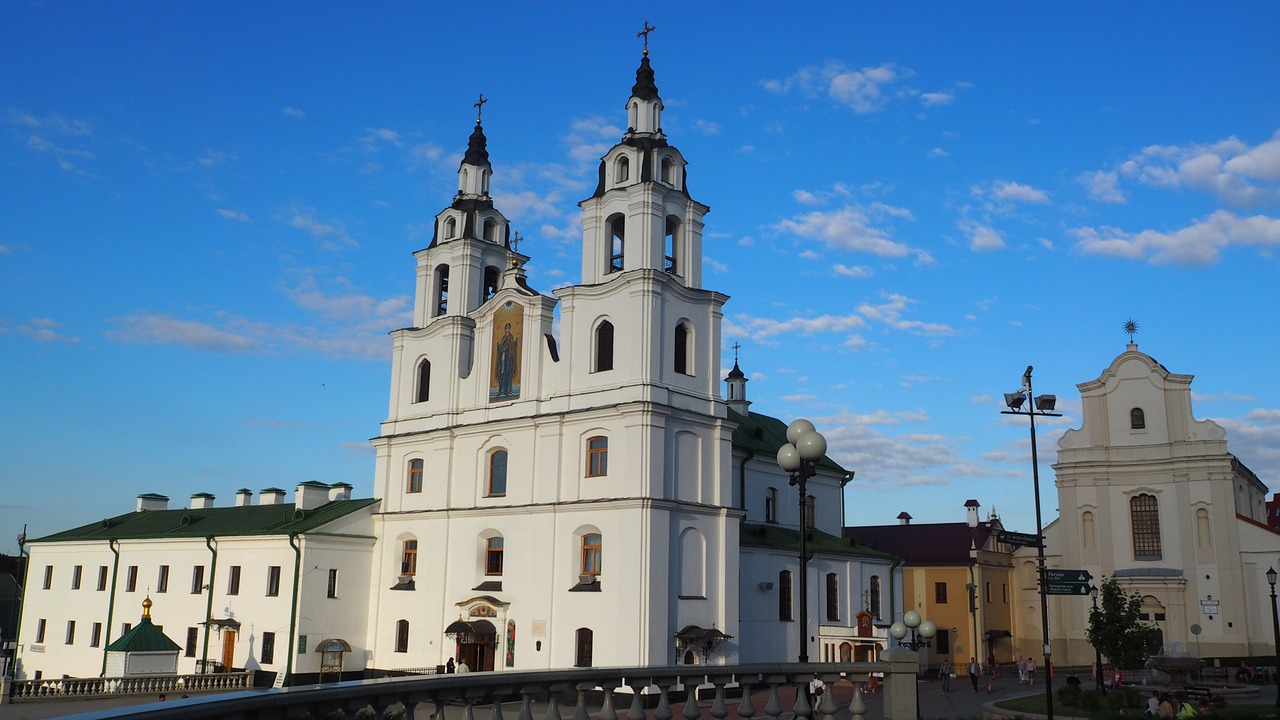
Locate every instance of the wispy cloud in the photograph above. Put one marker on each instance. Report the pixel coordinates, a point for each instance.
(1102, 185)
(848, 228)
(332, 234)
(146, 328)
(55, 135)
(45, 330)
(891, 311)
(1201, 243)
(1017, 192)
(233, 215)
(865, 90)
(292, 112)
(982, 237)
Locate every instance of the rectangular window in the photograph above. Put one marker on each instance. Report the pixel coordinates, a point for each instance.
(273, 581)
(333, 583)
(268, 648)
(833, 596)
(197, 579)
(1144, 516)
(943, 642)
(493, 557)
(102, 578)
(771, 505)
(131, 579)
(409, 558)
(193, 637)
(988, 589)
(302, 644)
(940, 593)
(415, 476)
(48, 576)
(233, 580)
(592, 550)
(784, 596)
(162, 582)
(95, 635)
(71, 632)
(597, 456)
(76, 574)
(40, 626)
(125, 628)
(1004, 593)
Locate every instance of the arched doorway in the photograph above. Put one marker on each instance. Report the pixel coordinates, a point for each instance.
(475, 643)
(1153, 613)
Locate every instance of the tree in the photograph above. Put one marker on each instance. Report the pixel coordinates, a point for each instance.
(1114, 628)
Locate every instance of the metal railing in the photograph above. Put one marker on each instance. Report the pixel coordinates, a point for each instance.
(727, 692)
(81, 688)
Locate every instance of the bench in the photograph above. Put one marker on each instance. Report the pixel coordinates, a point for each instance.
(1204, 695)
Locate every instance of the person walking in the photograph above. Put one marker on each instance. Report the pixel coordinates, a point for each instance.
(944, 672)
(991, 677)
(974, 670)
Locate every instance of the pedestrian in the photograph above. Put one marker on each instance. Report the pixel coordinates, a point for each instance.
(1022, 671)
(945, 673)
(816, 687)
(991, 677)
(1165, 708)
(973, 672)
(463, 667)
(449, 667)
(1153, 703)
(1031, 670)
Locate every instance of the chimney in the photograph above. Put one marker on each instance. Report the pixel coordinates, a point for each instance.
(201, 501)
(271, 496)
(971, 512)
(152, 501)
(339, 491)
(310, 494)
(244, 497)
(904, 518)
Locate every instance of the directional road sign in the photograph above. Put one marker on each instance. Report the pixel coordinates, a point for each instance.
(1066, 588)
(1067, 576)
(1018, 539)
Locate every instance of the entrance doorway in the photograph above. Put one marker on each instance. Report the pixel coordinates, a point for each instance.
(228, 649)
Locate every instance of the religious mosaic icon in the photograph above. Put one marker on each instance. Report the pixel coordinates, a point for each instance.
(508, 331)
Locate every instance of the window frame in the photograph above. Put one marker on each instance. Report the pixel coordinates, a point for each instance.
(771, 505)
(48, 577)
(597, 456)
(95, 635)
(42, 625)
(604, 345)
(77, 574)
(682, 360)
(496, 486)
(332, 589)
(591, 561)
(193, 639)
(273, 581)
(833, 597)
(402, 636)
(786, 603)
(1137, 419)
(233, 580)
(71, 632)
(197, 579)
(583, 647)
(940, 593)
(417, 468)
(409, 557)
(102, 578)
(422, 382)
(1144, 526)
(131, 579)
(268, 651)
(494, 552)
(162, 579)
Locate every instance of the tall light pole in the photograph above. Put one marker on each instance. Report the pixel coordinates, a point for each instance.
(1275, 628)
(1099, 685)
(1043, 406)
(799, 458)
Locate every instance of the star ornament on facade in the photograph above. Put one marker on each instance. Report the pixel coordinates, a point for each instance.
(1130, 328)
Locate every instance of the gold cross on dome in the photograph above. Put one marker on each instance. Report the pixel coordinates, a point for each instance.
(645, 34)
(479, 106)
(515, 241)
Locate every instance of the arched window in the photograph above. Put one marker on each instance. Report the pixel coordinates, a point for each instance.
(784, 595)
(874, 601)
(604, 346)
(693, 564)
(592, 551)
(415, 476)
(622, 169)
(668, 171)
(423, 392)
(617, 243)
(493, 556)
(597, 456)
(1086, 528)
(450, 228)
(671, 245)
(442, 289)
(1203, 538)
(402, 636)
(491, 275)
(682, 340)
(846, 652)
(1144, 517)
(497, 483)
(771, 505)
(409, 557)
(583, 640)
(833, 596)
(491, 230)
(1137, 419)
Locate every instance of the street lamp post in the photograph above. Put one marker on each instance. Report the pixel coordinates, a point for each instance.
(1042, 406)
(922, 631)
(1099, 685)
(799, 458)
(1275, 629)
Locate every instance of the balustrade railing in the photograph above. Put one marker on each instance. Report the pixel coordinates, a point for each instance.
(80, 688)
(742, 692)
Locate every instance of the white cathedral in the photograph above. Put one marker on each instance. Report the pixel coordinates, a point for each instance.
(542, 498)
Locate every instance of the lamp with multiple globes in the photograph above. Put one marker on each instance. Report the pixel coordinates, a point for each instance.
(799, 458)
(1099, 685)
(922, 631)
(1275, 628)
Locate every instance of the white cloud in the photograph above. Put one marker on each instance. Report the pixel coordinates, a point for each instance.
(1015, 192)
(1229, 169)
(982, 237)
(845, 229)
(938, 152)
(890, 314)
(857, 271)
(936, 98)
(1201, 243)
(332, 235)
(233, 215)
(865, 90)
(151, 329)
(1102, 185)
(761, 329)
(706, 127)
(715, 265)
(293, 112)
(45, 330)
(590, 138)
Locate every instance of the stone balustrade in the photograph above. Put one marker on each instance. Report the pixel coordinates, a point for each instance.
(775, 691)
(81, 688)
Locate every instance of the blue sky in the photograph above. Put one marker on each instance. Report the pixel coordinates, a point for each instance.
(209, 209)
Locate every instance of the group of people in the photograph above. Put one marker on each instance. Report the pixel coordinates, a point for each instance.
(1164, 705)
(1027, 671)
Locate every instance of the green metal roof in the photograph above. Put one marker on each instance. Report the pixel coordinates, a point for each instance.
(764, 435)
(776, 537)
(144, 637)
(283, 519)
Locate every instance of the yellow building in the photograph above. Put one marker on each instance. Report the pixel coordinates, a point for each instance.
(960, 577)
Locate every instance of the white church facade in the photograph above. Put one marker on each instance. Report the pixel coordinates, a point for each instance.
(1152, 497)
(549, 492)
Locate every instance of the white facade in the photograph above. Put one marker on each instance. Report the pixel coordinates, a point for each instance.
(1152, 497)
(242, 576)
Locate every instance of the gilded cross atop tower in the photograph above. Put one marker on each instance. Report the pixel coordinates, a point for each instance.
(645, 34)
(479, 106)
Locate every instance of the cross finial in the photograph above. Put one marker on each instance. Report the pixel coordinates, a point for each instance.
(479, 106)
(1130, 329)
(516, 239)
(735, 352)
(645, 34)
